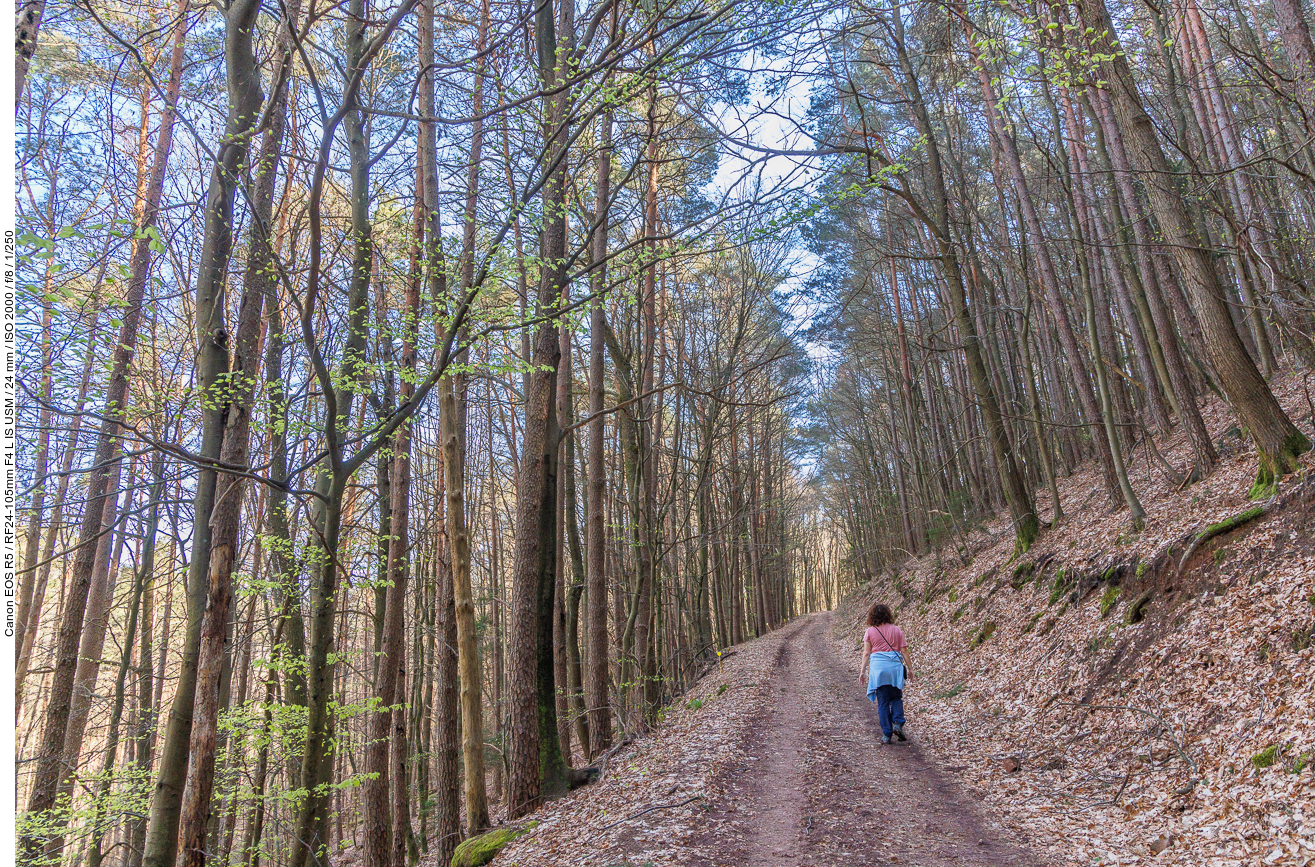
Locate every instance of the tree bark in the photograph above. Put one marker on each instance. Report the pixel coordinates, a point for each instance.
(39, 566)
(452, 421)
(137, 607)
(1021, 508)
(1050, 282)
(1277, 439)
(245, 99)
(536, 768)
(45, 779)
(1294, 29)
(25, 43)
(1154, 274)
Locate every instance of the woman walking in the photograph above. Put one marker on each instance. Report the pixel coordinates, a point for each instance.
(885, 665)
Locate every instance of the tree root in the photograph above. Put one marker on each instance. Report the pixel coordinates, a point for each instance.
(1224, 526)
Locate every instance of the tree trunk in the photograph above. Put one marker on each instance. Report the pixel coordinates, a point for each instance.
(36, 511)
(596, 671)
(1021, 509)
(1050, 282)
(1277, 439)
(39, 566)
(245, 99)
(452, 421)
(536, 767)
(25, 43)
(1152, 280)
(140, 591)
(45, 778)
(1294, 28)
(333, 475)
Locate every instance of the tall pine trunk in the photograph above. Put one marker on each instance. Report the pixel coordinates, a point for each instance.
(1026, 525)
(1277, 439)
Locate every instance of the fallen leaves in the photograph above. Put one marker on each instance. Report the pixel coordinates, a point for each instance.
(654, 797)
(1133, 736)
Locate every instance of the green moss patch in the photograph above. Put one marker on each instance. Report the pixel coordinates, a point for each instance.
(1303, 761)
(1264, 487)
(1026, 534)
(1265, 758)
(1302, 639)
(1059, 586)
(480, 850)
(1031, 624)
(1137, 610)
(1233, 522)
(1274, 466)
(1108, 600)
(983, 635)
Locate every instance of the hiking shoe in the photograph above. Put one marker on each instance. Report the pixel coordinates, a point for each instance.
(899, 733)
(885, 739)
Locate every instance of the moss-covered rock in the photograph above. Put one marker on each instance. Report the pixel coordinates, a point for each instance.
(480, 850)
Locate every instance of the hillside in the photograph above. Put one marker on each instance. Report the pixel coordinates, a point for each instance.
(1100, 704)
(1145, 706)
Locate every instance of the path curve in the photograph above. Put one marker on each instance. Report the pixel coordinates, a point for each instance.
(817, 787)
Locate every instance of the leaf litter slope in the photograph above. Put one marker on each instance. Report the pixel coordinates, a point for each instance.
(1184, 735)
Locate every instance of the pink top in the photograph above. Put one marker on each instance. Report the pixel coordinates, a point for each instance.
(885, 638)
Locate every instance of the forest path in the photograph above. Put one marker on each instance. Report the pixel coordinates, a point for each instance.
(818, 788)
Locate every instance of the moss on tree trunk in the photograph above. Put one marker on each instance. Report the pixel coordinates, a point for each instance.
(1275, 465)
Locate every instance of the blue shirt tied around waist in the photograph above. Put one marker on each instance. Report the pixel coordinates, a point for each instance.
(885, 668)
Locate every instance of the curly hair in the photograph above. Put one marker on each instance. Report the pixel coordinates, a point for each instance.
(879, 615)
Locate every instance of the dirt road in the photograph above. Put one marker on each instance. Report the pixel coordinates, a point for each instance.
(817, 787)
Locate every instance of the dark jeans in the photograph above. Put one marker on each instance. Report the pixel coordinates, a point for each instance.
(890, 708)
